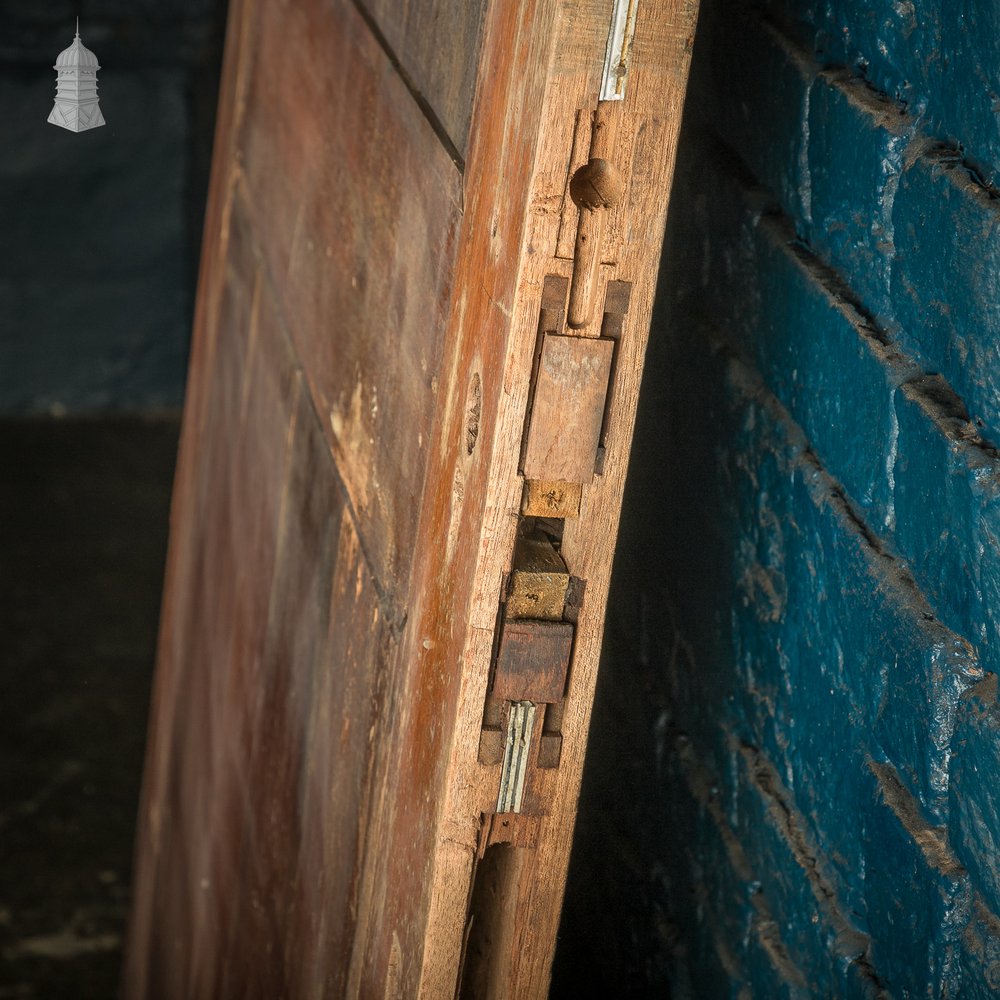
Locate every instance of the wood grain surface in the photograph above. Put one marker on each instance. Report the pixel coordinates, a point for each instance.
(316, 821)
(567, 408)
(437, 45)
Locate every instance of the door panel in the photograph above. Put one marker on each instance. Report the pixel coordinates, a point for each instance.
(356, 206)
(320, 809)
(437, 44)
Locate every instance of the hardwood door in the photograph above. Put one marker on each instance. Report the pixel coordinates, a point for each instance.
(413, 380)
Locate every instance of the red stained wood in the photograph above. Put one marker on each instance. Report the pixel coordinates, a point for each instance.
(357, 205)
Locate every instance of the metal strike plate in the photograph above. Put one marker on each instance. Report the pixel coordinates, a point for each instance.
(618, 54)
(520, 724)
(532, 661)
(568, 408)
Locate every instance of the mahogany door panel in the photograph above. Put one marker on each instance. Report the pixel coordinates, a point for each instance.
(437, 44)
(356, 206)
(364, 750)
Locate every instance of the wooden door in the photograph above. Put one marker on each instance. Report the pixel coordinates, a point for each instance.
(398, 491)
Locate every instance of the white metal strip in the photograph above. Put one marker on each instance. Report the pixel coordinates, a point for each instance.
(619, 51)
(515, 756)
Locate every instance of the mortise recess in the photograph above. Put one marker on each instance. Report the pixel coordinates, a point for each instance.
(551, 319)
(491, 924)
(538, 579)
(616, 303)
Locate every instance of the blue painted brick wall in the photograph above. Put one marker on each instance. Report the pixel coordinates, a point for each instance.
(797, 719)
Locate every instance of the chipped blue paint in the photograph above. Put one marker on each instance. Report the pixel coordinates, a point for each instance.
(822, 600)
(899, 215)
(940, 59)
(975, 814)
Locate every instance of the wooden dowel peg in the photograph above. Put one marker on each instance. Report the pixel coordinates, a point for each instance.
(594, 188)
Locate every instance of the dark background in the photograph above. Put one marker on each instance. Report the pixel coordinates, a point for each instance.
(99, 239)
(800, 518)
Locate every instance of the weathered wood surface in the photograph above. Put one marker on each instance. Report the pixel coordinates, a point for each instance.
(437, 45)
(563, 439)
(347, 502)
(357, 206)
(311, 400)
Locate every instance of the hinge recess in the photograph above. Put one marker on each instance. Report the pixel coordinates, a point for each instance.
(564, 443)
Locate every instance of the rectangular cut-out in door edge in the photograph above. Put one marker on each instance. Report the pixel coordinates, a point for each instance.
(568, 408)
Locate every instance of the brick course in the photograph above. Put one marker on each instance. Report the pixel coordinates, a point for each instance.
(808, 581)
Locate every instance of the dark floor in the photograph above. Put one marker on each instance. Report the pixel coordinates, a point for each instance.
(83, 526)
(84, 510)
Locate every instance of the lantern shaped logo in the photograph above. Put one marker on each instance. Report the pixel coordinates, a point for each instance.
(76, 106)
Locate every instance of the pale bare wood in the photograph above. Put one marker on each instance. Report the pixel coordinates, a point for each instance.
(616, 221)
(651, 114)
(567, 408)
(538, 580)
(549, 498)
(587, 263)
(595, 188)
(654, 103)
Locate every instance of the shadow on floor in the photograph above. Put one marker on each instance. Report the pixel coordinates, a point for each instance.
(83, 528)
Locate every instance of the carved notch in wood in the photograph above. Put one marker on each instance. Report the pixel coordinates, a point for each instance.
(539, 578)
(597, 186)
